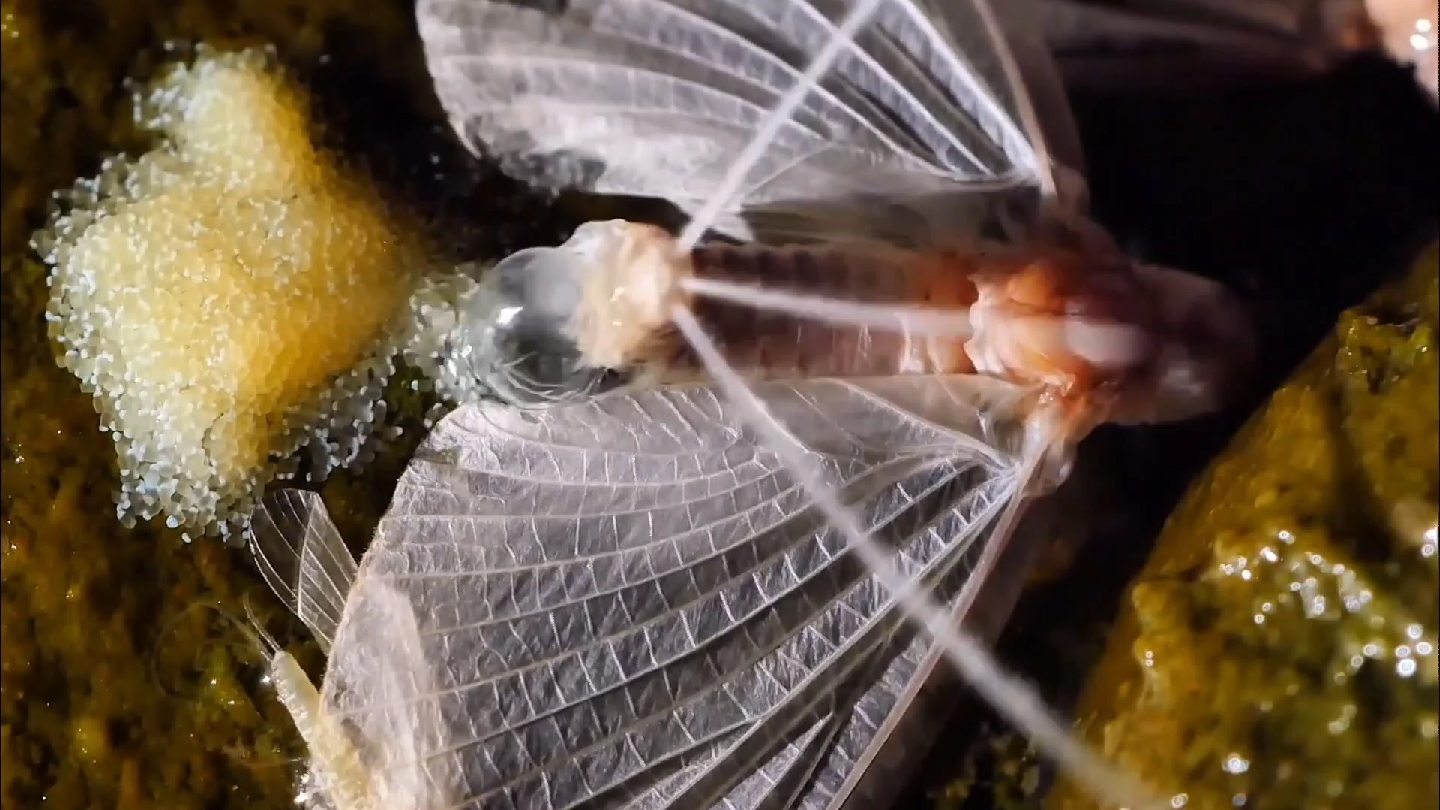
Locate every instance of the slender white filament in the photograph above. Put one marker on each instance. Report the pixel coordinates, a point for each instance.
(844, 35)
(1007, 693)
(1037, 157)
(910, 320)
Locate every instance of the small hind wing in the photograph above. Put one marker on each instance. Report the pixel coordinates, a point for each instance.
(303, 558)
(360, 759)
(379, 684)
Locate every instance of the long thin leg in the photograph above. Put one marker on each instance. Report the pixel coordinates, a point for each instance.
(1007, 693)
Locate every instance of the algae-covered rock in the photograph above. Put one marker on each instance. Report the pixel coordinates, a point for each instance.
(124, 685)
(1279, 648)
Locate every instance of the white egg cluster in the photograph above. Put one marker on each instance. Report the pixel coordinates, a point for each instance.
(230, 297)
(446, 338)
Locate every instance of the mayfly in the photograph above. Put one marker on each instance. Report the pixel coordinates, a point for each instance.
(733, 581)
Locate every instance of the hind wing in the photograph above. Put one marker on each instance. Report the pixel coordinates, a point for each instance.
(370, 634)
(303, 559)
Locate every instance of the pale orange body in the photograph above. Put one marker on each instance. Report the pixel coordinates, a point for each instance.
(1075, 321)
(777, 344)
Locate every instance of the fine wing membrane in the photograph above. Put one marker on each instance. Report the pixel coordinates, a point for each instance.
(657, 98)
(628, 602)
(303, 559)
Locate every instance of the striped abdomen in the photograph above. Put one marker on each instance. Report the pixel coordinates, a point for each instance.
(1073, 321)
(773, 344)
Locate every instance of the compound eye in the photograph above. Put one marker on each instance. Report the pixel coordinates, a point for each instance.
(524, 350)
(536, 292)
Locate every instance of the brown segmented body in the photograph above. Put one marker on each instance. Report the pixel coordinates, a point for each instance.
(778, 345)
(1074, 320)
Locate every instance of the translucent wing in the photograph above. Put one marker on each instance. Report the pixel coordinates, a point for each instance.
(303, 559)
(629, 603)
(657, 98)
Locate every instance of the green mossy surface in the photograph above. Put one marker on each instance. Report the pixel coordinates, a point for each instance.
(1279, 648)
(129, 679)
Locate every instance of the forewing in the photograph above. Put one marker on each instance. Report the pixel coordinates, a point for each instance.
(629, 603)
(658, 98)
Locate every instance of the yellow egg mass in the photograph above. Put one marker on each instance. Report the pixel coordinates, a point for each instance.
(228, 297)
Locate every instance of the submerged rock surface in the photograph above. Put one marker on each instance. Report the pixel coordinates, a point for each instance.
(124, 686)
(1279, 648)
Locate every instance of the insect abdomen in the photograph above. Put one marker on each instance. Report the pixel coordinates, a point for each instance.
(773, 344)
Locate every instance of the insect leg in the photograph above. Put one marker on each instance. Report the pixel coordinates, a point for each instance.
(1008, 694)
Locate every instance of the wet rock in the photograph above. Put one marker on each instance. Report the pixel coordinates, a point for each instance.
(1279, 648)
